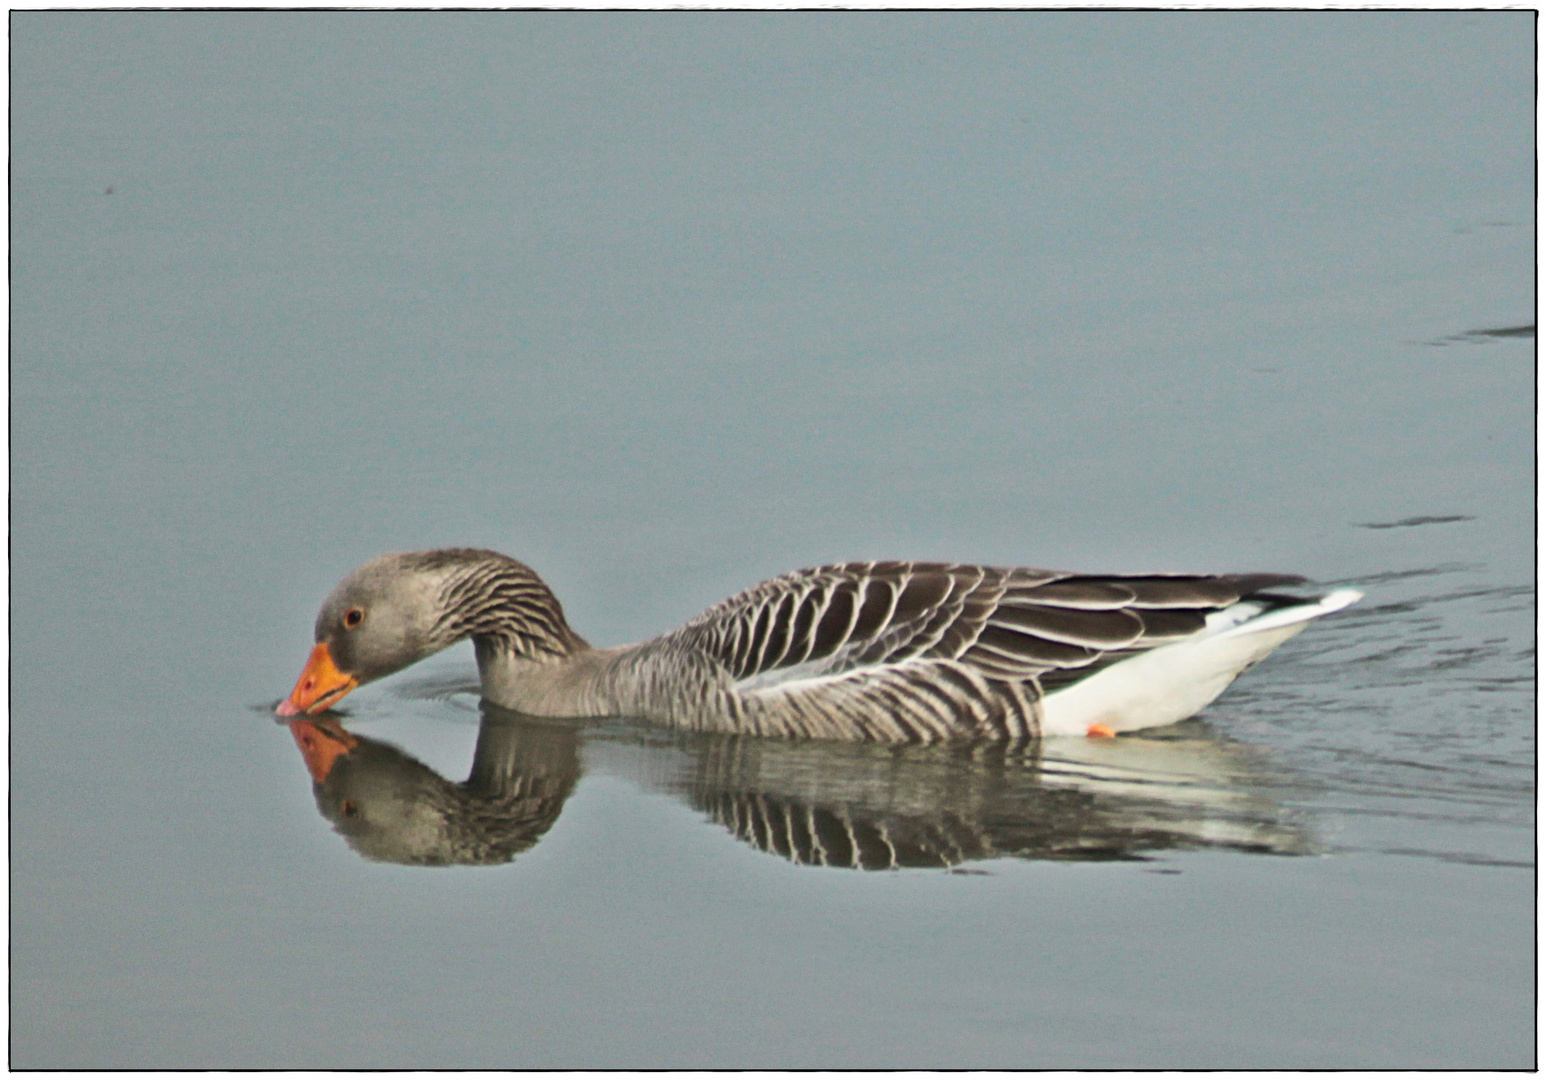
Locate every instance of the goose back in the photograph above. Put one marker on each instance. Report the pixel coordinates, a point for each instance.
(922, 651)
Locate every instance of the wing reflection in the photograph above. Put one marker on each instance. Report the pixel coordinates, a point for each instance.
(873, 808)
(813, 803)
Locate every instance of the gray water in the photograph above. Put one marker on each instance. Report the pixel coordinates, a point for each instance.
(666, 304)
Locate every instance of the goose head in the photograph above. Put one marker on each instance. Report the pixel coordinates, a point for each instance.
(398, 609)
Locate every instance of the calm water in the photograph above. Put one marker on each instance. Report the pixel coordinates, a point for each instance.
(664, 305)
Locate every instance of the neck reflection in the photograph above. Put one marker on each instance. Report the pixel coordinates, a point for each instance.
(391, 807)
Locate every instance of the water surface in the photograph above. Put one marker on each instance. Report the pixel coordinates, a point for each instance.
(667, 304)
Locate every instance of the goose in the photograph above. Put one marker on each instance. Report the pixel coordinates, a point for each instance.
(872, 651)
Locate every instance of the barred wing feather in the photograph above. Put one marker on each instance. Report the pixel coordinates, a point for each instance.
(936, 639)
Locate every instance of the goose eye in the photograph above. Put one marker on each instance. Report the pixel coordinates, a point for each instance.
(353, 617)
(349, 808)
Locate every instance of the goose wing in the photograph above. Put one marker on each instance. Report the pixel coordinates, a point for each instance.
(1004, 624)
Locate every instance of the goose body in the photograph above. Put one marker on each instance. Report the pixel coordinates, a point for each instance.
(878, 651)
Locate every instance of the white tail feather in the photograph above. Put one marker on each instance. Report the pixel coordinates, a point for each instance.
(1170, 683)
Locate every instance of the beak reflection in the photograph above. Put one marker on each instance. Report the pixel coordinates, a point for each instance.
(322, 743)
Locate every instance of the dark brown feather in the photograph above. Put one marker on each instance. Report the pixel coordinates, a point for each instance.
(1076, 626)
(1171, 623)
(1097, 595)
(874, 613)
(779, 627)
(1032, 653)
(921, 593)
(832, 631)
(802, 636)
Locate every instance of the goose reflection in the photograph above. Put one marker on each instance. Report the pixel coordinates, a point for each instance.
(874, 808)
(391, 807)
(865, 807)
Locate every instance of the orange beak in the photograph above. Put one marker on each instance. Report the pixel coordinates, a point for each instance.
(321, 746)
(320, 685)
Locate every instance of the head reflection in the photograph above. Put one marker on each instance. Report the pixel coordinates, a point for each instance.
(813, 803)
(391, 807)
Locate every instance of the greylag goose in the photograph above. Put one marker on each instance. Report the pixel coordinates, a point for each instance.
(876, 651)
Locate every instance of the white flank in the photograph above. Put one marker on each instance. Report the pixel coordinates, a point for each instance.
(1170, 683)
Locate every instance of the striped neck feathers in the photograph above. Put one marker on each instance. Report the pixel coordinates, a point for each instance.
(498, 602)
